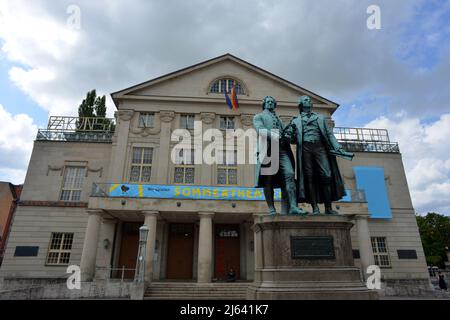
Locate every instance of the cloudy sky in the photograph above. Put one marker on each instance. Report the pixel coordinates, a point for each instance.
(396, 77)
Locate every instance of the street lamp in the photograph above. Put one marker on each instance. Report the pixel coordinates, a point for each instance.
(140, 263)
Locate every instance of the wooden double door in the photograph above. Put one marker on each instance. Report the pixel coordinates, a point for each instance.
(180, 251)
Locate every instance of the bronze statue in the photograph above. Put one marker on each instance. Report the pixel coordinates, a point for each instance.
(318, 176)
(268, 124)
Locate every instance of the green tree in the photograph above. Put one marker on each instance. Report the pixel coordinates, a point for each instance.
(434, 231)
(100, 107)
(94, 106)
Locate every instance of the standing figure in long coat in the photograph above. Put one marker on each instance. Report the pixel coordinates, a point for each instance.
(269, 126)
(318, 176)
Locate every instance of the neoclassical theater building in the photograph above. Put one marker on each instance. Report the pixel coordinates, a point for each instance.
(92, 183)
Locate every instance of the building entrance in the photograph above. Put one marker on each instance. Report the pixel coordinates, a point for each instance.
(227, 250)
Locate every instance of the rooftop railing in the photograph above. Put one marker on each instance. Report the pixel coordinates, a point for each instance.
(78, 129)
(365, 140)
(93, 129)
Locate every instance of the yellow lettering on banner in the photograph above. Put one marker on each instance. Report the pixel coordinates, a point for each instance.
(186, 192)
(241, 193)
(258, 193)
(196, 192)
(113, 187)
(233, 193)
(249, 194)
(177, 191)
(216, 191)
(225, 193)
(206, 192)
(141, 192)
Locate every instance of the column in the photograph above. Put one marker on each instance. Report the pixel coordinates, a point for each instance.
(365, 245)
(162, 169)
(89, 254)
(120, 151)
(205, 242)
(150, 221)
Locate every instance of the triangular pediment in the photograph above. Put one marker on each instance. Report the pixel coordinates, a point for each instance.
(195, 82)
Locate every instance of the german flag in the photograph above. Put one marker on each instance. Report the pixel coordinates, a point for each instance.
(233, 101)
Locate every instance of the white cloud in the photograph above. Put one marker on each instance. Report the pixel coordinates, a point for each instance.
(426, 156)
(17, 133)
(325, 47)
(42, 45)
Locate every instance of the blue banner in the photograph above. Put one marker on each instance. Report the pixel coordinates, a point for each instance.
(190, 192)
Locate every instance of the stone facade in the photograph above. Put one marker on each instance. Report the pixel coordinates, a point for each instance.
(100, 225)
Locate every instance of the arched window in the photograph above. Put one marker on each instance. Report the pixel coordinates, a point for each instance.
(225, 85)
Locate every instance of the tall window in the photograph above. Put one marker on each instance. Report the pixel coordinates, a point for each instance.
(146, 120)
(225, 85)
(72, 183)
(59, 249)
(184, 168)
(380, 252)
(227, 171)
(227, 123)
(141, 164)
(187, 121)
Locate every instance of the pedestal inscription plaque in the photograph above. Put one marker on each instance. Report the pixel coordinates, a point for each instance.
(312, 248)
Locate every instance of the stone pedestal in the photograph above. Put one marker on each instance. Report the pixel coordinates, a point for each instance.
(308, 257)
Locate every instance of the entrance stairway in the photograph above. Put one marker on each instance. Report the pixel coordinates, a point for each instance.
(196, 291)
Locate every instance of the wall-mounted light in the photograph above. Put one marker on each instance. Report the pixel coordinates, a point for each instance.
(178, 204)
(123, 202)
(106, 243)
(233, 205)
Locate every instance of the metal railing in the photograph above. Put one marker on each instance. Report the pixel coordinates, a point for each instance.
(47, 135)
(78, 129)
(356, 196)
(370, 146)
(365, 140)
(120, 273)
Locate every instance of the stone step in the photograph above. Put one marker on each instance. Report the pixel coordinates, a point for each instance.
(195, 292)
(190, 284)
(190, 290)
(198, 288)
(194, 298)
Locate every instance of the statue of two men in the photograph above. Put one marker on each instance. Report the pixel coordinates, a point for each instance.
(270, 128)
(318, 177)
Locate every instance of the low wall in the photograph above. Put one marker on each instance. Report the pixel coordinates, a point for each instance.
(108, 289)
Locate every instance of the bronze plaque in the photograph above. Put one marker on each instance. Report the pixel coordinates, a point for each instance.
(312, 247)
